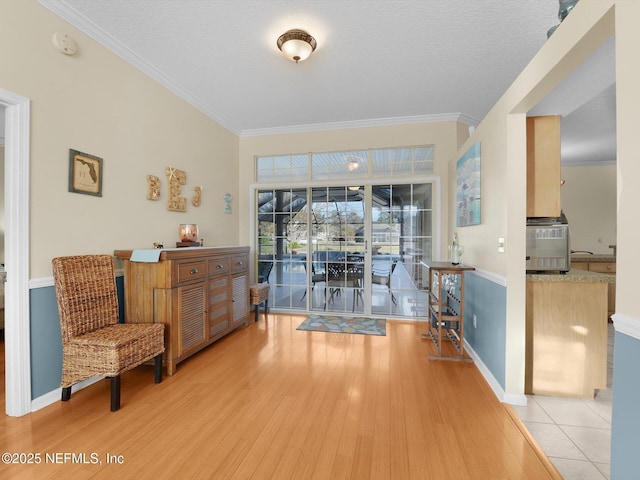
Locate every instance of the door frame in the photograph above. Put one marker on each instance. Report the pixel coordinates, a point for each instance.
(16, 205)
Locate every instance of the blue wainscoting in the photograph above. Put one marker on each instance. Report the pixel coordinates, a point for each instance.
(625, 421)
(488, 301)
(46, 345)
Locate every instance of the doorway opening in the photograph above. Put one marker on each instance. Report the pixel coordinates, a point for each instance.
(16, 196)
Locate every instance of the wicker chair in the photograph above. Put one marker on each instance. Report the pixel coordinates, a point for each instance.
(94, 344)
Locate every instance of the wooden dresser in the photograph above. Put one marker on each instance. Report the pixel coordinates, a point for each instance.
(199, 293)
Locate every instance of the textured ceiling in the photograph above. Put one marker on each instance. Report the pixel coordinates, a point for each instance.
(377, 61)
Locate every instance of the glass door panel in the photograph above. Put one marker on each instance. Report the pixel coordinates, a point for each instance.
(282, 232)
(347, 249)
(337, 249)
(401, 233)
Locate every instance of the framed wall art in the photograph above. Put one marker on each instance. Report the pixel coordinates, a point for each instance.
(85, 173)
(468, 187)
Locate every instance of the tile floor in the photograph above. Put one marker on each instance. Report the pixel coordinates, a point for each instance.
(575, 434)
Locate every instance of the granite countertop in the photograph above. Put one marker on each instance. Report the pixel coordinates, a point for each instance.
(573, 276)
(596, 257)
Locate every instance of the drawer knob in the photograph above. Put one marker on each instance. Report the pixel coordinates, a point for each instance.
(193, 271)
(219, 266)
(239, 264)
(608, 267)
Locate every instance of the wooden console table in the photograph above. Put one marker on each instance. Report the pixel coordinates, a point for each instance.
(199, 293)
(446, 308)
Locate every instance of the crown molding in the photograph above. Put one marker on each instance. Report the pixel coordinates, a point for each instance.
(89, 28)
(375, 122)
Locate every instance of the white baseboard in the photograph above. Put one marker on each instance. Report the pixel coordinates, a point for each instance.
(56, 395)
(510, 398)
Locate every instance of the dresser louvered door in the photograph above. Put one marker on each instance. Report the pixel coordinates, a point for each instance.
(218, 306)
(192, 313)
(240, 296)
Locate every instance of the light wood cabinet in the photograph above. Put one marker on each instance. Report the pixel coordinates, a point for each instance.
(543, 166)
(566, 340)
(200, 294)
(601, 267)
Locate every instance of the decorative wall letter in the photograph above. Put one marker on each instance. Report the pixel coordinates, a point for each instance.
(197, 198)
(153, 187)
(176, 178)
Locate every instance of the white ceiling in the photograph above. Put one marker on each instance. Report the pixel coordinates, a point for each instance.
(377, 61)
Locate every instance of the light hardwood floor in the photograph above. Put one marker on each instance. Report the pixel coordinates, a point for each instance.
(269, 401)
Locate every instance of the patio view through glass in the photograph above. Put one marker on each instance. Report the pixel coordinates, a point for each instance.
(347, 249)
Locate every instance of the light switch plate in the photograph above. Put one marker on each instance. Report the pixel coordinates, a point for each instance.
(501, 245)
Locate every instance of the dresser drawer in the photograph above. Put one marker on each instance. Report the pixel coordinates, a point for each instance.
(190, 271)
(239, 263)
(219, 266)
(602, 267)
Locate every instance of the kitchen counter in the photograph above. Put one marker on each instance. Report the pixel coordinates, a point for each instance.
(599, 263)
(574, 275)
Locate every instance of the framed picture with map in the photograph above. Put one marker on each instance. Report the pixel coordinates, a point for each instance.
(85, 173)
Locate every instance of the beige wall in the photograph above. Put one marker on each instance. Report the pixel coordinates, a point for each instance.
(446, 136)
(97, 103)
(503, 161)
(589, 202)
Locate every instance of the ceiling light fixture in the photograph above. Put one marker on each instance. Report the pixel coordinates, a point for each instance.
(296, 45)
(353, 165)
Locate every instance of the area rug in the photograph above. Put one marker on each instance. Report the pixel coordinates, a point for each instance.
(359, 325)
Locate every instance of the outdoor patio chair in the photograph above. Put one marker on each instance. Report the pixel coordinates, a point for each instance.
(380, 278)
(264, 270)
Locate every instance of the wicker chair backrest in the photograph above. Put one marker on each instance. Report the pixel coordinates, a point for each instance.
(86, 293)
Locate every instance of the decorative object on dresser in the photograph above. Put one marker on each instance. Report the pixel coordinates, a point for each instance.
(93, 342)
(199, 294)
(188, 235)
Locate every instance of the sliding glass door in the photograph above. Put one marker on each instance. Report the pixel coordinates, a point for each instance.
(337, 249)
(401, 244)
(346, 249)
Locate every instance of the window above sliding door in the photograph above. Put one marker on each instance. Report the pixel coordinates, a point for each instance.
(351, 164)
